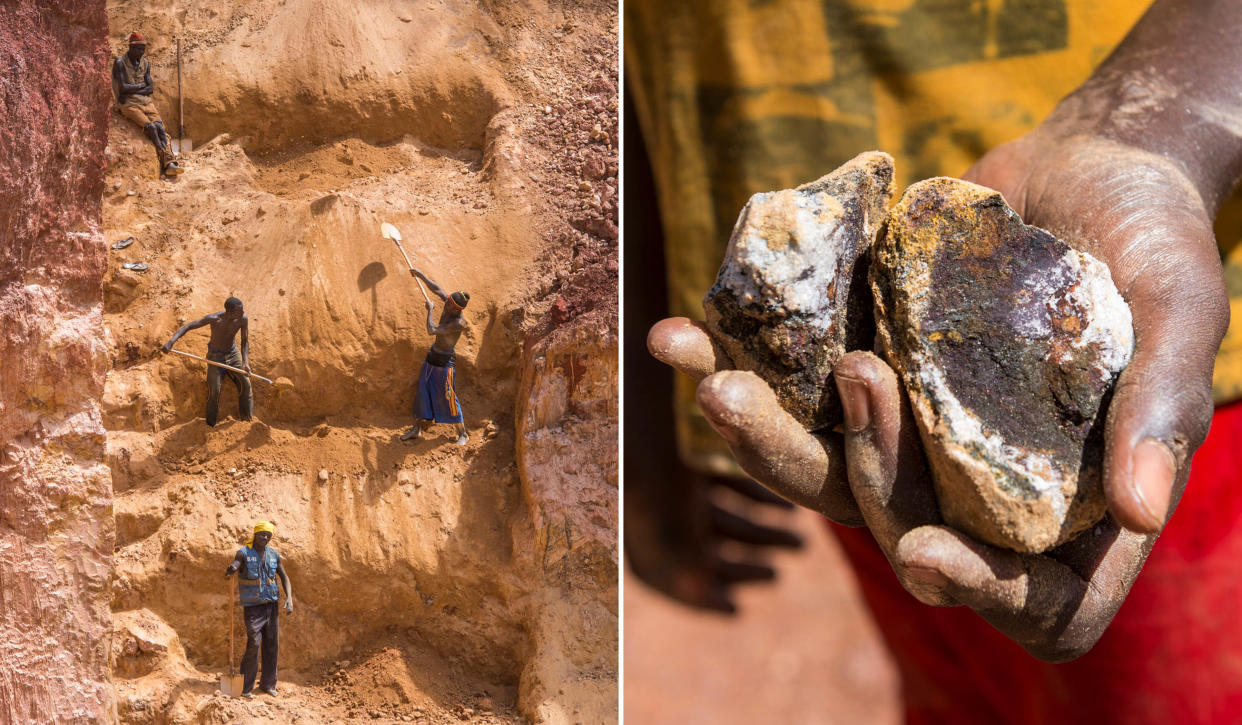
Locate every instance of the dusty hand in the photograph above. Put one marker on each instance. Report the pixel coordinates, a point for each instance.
(288, 605)
(1056, 605)
(165, 348)
(229, 572)
(430, 305)
(767, 442)
(1138, 212)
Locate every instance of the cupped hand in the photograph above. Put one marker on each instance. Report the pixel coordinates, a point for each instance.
(1055, 605)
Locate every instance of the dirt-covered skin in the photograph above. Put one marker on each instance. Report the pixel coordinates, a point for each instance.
(472, 566)
(1144, 181)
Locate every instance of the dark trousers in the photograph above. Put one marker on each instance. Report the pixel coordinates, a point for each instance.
(215, 377)
(262, 628)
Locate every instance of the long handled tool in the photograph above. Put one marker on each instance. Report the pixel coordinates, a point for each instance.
(391, 232)
(279, 382)
(182, 144)
(231, 684)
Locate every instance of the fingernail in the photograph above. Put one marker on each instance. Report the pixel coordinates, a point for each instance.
(722, 427)
(1154, 469)
(927, 576)
(856, 401)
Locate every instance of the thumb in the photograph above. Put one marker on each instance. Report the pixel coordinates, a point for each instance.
(1162, 405)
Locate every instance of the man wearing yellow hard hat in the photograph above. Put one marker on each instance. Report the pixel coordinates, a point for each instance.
(259, 565)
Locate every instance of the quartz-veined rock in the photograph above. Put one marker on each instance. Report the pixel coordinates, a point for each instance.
(1008, 342)
(791, 296)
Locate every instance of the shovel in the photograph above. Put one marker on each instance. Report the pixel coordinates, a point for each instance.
(391, 232)
(231, 684)
(181, 144)
(280, 383)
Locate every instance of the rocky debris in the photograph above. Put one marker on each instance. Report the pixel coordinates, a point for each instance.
(790, 297)
(57, 538)
(1008, 342)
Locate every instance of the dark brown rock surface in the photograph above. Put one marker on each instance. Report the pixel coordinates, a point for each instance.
(55, 490)
(791, 298)
(1008, 342)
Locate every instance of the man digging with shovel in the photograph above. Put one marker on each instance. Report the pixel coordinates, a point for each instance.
(222, 349)
(436, 397)
(259, 565)
(132, 86)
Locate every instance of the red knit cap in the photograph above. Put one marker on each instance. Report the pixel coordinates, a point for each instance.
(136, 39)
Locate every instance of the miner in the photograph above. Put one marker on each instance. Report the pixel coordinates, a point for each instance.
(436, 397)
(222, 349)
(132, 86)
(259, 566)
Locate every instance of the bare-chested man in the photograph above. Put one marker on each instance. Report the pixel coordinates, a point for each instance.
(222, 349)
(436, 397)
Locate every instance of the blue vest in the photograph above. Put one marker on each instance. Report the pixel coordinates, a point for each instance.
(257, 579)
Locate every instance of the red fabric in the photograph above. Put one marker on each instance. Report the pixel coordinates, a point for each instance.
(135, 38)
(1172, 655)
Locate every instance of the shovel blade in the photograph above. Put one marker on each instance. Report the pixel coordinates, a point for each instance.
(390, 232)
(182, 145)
(231, 685)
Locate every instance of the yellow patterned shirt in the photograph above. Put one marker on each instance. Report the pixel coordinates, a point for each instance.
(741, 96)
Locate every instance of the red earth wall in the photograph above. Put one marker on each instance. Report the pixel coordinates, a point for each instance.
(56, 525)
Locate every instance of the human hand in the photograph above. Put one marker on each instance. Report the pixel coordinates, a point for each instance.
(413, 273)
(1141, 214)
(165, 348)
(430, 305)
(229, 572)
(288, 605)
(674, 538)
(1055, 605)
(766, 441)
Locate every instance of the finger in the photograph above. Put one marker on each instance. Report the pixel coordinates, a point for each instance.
(686, 345)
(737, 572)
(754, 491)
(1162, 405)
(700, 589)
(771, 446)
(887, 471)
(731, 526)
(1041, 603)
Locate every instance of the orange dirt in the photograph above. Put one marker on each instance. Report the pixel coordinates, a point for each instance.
(432, 582)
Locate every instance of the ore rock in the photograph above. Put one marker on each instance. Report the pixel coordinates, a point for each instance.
(791, 296)
(1008, 342)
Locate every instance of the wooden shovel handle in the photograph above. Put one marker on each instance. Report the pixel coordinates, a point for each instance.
(232, 616)
(407, 263)
(222, 365)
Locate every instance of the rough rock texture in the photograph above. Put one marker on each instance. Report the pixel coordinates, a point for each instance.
(55, 491)
(567, 459)
(1008, 342)
(791, 296)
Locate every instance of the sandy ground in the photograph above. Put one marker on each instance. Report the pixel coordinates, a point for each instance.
(801, 649)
